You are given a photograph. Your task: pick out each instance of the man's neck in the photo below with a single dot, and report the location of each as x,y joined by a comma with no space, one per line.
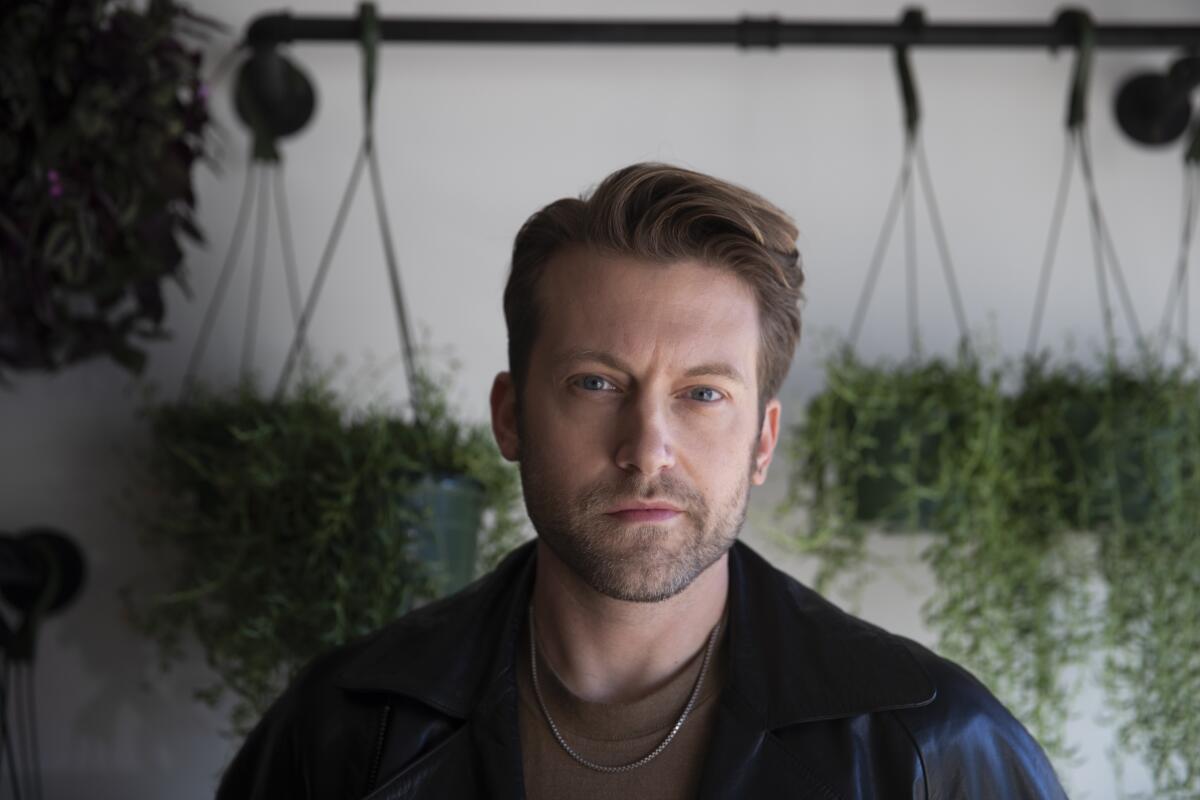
607,650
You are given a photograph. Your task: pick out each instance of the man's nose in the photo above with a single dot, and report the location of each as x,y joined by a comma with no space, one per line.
644,440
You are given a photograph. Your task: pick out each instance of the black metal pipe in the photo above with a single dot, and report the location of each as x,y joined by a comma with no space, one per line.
767,32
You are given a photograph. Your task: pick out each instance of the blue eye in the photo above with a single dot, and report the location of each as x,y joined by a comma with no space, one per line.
593,382
714,394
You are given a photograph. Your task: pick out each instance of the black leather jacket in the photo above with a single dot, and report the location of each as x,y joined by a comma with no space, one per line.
817,704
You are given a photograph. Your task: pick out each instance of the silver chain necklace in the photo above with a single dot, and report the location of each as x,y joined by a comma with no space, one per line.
712,640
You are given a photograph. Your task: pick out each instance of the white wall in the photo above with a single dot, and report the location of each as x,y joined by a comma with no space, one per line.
473,140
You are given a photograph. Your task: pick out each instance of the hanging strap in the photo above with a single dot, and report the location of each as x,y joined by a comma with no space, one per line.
1177,293
369,19
901,194
368,156
913,21
1076,26
368,22
1051,250
1191,156
218,296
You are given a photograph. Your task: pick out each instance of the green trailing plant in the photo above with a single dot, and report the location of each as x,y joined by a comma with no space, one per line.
938,441
1150,562
1091,416
1011,598
1033,494
868,450
102,116
290,526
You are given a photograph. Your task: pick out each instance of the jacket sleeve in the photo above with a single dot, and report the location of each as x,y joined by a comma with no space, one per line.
973,747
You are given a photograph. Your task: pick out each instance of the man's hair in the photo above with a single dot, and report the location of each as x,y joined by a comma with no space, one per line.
664,214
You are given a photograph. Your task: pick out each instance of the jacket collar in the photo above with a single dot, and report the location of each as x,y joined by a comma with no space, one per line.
449,653
794,656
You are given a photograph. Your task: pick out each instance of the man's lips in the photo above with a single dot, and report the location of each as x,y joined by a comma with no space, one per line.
661,514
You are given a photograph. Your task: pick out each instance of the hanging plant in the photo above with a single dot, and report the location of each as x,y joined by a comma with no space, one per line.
869,442
1082,473
1011,598
933,446
1150,562
102,116
296,525
867,451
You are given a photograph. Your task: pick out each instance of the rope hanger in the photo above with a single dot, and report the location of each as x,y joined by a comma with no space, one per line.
1071,27
1178,292
902,196
265,156
1078,144
367,153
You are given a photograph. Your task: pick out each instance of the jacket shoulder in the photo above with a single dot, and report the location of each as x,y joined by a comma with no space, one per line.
969,743
312,716
319,738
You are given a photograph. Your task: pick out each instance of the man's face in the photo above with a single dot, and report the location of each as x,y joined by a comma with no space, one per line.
641,390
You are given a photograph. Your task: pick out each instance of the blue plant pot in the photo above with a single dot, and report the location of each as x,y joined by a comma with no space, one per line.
450,510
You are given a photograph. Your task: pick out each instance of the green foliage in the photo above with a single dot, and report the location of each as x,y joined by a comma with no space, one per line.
102,114
288,527
869,450
1012,597
1149,558
1077,477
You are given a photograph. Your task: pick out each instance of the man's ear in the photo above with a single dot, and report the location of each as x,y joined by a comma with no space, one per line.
504,416
768,437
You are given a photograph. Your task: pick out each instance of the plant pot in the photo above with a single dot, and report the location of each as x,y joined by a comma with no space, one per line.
450,509
1075,451
1063,407
1142,477
879,498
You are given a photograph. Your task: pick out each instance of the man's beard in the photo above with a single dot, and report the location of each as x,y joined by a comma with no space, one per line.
646,562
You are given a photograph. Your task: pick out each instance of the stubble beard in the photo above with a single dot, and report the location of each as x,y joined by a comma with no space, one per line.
643,563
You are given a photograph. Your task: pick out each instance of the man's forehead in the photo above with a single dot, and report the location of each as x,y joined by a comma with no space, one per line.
583,280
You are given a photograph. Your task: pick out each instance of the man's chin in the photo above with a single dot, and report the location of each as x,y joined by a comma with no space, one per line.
640,587
650,571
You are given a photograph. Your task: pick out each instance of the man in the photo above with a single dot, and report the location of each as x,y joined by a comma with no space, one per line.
636,649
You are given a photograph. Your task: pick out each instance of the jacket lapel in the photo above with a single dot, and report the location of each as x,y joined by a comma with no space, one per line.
746,760
446,771
795,658
457,656
480,759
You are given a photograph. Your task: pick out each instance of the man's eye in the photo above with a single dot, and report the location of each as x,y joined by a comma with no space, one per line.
592,382
706,394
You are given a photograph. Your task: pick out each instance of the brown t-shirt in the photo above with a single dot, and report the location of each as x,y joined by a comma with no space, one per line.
617,733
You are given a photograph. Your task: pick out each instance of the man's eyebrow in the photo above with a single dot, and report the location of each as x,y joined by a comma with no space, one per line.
719,368
583,354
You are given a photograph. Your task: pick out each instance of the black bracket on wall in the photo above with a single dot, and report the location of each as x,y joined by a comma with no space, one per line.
1151,109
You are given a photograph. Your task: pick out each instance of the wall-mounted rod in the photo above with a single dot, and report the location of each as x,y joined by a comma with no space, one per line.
762,32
